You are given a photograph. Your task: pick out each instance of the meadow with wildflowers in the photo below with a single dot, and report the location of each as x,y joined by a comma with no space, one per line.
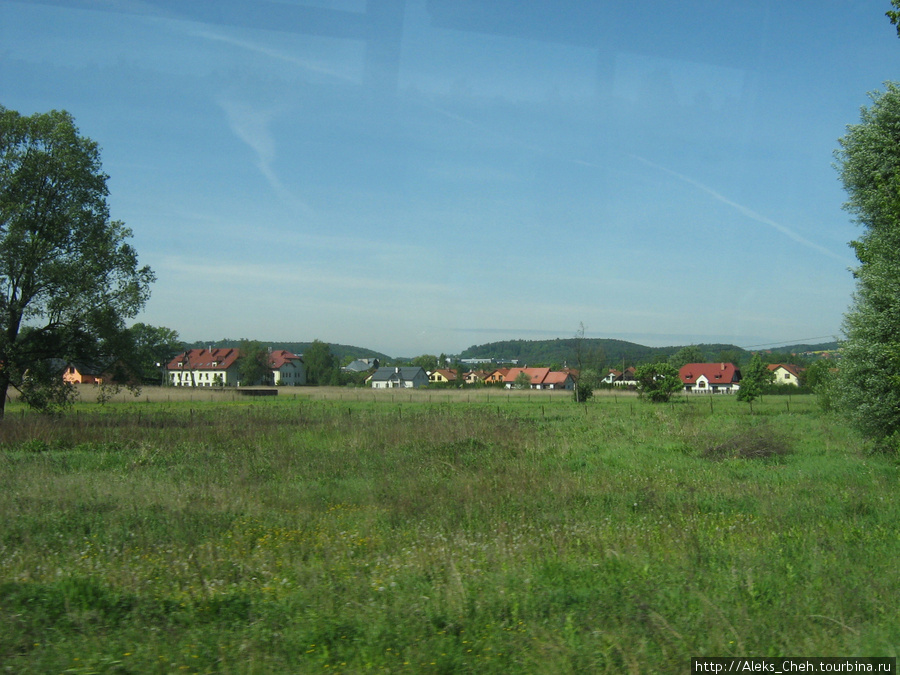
337,532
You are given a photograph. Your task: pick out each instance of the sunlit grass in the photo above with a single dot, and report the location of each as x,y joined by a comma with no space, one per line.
314,534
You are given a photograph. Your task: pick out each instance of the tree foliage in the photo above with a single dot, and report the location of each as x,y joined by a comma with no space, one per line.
754,379
894,15
868,387
254,364
427,362
321,365
686,355
522,381
657,382
151,348
68,277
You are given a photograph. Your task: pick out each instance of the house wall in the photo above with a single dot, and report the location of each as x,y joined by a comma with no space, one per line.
290,374
202,377
784,376
72,376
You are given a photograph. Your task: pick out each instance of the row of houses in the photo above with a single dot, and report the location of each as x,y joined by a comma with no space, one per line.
220,368
709,378
409,377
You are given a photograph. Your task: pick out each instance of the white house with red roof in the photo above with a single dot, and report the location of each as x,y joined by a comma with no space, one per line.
286,368
204,368
220,367
710,378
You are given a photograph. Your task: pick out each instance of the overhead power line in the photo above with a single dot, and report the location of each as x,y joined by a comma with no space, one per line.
792,342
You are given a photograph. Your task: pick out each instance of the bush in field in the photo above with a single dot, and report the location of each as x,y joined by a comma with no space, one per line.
658,381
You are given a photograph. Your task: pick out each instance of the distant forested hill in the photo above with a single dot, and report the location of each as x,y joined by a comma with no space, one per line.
599,352
596,351
340,351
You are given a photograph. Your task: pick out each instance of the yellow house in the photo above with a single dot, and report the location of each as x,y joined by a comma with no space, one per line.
442,376
785,373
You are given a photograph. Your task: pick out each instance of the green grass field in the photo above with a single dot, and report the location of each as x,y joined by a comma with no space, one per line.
439,532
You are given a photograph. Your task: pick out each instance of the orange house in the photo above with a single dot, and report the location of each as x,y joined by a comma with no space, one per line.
80,373
90,373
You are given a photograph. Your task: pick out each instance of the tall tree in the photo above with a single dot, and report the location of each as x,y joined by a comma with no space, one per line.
321,367
152,348
68,277
686,355
427,362
754,378
868,387
254,364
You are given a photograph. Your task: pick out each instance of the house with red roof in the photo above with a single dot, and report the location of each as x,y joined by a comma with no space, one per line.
496,377
710,378
204,368
220,367
286,368
560,379
541,378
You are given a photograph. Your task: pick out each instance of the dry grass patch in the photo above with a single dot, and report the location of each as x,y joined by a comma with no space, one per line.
756,442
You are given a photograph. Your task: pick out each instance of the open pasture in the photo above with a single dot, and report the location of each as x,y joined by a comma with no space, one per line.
439,531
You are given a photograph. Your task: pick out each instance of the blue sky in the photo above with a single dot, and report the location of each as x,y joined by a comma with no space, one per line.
424,175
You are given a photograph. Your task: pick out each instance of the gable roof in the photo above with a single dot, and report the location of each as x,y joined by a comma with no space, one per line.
537,375
406,373
715,373
281,357
204,359
792,369
559,377
360,365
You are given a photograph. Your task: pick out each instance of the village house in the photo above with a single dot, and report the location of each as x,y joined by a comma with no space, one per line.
541,378
496,376
94,373
82,373
400,377
204,368
442,376
476,376
286,368
710,378
220,367
619,378
786,373
360,365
